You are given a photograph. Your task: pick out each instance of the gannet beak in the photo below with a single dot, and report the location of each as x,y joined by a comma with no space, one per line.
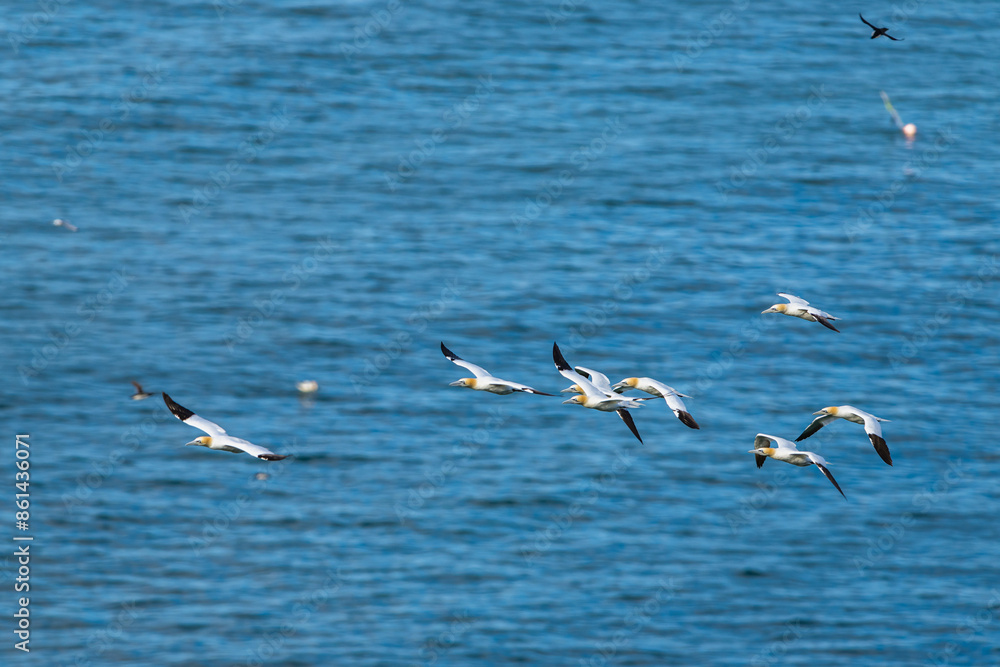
820,412
619,385
572,400
769,310
752,451
193,442
457,383
567,390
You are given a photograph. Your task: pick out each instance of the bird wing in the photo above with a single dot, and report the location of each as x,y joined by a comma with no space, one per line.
478,371
525,388
867,23
895,39
627,418
589,389
191,419
599,380
793,299
874,431
138,387
253,450
823,469
816,425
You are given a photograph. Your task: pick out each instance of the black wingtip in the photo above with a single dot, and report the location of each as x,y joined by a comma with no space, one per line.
178,410
760,458
687,419
883,449
272,457
627,418
559,359
535,391
448,354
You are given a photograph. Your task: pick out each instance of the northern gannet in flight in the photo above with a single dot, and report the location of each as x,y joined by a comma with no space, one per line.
668,393
787,451
217,437
879,32
59,222
797,307
139,393
593,397
851,414
483,380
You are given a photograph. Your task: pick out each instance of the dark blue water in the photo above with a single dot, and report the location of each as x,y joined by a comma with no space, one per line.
266,193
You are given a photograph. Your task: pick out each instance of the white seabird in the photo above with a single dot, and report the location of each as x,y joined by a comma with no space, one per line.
307,386
483,380
787,451
797,307
593,397
851,414
139,393
217,437
666,392
59,222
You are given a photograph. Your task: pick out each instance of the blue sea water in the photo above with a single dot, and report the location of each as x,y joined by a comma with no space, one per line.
272,192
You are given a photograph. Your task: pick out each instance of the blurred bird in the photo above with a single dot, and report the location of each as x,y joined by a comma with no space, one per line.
59,222
879,32
139,393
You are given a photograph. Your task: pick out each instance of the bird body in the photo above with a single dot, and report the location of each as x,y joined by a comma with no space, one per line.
483,381
800,308
787,451
217,437
851,414
139,393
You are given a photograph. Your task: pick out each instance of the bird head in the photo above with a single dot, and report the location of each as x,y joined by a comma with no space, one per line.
776,308
762,451
627,383
464,382
575,389
832,411
577,399
203,441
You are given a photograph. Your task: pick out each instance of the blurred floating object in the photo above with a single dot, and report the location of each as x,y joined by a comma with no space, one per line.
909,130
307,386
59,222
261,476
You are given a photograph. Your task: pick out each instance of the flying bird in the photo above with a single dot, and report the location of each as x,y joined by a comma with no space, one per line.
59,222
797,307
593,397
658,389
217,437
851,414
787,451
139,393
880,32
483,380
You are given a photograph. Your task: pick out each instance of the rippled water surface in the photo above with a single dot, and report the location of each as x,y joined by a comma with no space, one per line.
266,193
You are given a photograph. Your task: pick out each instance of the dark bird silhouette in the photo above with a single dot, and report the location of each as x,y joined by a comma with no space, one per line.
879,32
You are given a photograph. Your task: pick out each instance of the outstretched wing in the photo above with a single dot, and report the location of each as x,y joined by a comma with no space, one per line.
627,418
138,387
567,372
895,39
823,469
191,419
874,431
600,380
793,299
455,359
254,450
816,425
867,23
825,322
